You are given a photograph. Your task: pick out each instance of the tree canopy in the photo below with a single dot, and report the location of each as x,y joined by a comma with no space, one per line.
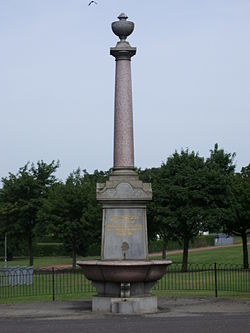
21,198
238,217
191,194
72,214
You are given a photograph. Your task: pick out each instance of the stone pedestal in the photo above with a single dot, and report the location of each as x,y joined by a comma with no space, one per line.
124,231
124,241
116,289
132,305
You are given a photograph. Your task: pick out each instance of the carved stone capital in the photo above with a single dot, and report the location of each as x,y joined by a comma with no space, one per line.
124,188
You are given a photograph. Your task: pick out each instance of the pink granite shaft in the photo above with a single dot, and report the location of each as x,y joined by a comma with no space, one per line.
123,123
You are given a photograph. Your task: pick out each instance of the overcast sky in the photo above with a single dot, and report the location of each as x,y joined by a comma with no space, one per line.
191,80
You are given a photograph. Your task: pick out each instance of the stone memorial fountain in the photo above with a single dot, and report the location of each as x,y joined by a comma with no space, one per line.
124,276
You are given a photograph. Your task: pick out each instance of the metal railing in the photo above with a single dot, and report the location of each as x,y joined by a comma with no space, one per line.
215,278
206,277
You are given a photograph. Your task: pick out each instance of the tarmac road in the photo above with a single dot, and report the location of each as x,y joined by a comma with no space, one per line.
175,315
135,324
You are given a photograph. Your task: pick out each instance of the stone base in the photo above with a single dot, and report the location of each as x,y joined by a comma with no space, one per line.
131,305
136,289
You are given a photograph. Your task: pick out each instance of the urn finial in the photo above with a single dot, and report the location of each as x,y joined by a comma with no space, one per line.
123,28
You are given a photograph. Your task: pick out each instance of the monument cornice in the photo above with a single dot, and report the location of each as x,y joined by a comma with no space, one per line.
123,53
124,189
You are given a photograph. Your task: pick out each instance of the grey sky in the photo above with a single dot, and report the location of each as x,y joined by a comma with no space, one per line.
191,80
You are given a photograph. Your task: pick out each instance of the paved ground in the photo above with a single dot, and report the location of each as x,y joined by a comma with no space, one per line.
208,324
174,315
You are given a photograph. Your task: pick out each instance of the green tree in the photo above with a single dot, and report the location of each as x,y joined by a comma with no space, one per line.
158,223
238,218
190,195
181,197
71,212
21,198
220,170
93,216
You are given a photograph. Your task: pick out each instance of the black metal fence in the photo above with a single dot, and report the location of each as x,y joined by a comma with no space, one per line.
215,278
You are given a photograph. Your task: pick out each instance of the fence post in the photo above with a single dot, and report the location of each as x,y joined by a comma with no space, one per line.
53,284
215,280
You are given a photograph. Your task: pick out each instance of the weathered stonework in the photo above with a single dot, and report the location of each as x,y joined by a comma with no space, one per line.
124,199
124,187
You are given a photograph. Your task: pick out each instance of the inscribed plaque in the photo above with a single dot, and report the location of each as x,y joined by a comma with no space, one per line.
124,226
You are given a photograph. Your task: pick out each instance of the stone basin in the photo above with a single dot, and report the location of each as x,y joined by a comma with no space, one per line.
124,271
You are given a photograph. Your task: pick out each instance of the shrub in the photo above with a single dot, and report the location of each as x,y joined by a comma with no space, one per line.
200,241
49,249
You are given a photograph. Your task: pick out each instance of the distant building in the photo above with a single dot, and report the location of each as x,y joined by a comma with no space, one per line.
223,239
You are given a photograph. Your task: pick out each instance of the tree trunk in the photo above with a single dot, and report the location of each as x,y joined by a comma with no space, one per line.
245,252
30,249
74,258
164,248
185,255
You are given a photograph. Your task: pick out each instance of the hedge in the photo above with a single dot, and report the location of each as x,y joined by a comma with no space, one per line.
200,241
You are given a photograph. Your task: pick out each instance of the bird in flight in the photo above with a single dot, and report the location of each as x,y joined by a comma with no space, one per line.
92,2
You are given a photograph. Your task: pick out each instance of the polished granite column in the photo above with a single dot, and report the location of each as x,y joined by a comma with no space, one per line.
123,122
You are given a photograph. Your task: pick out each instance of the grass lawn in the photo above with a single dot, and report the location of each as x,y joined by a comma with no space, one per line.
228,255
44,261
